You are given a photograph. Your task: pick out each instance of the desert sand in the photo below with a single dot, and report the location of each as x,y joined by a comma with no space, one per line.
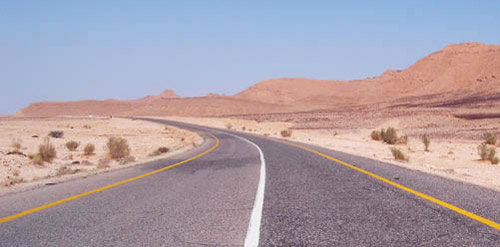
448,157
143,138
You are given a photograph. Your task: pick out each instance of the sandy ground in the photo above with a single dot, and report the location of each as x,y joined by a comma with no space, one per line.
452,158
17,170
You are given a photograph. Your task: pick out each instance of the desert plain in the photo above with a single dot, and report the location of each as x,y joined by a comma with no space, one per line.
452,96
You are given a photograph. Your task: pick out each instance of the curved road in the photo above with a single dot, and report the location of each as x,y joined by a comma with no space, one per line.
212,199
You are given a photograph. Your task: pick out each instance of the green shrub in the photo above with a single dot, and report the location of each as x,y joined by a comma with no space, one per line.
56,134
72,145
390,136
486,152
399,155
376,136
89,149
118,148
46,151
490,139
426,141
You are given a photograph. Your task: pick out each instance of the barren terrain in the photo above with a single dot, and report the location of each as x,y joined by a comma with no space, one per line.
143,138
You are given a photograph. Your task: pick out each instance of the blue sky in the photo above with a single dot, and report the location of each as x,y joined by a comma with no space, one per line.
71,50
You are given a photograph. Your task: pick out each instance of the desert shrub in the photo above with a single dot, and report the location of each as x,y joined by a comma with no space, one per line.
486,152
403,140
286,133
103,163
47,151
87,126
376,136
426,141
160,151
16,145
56,134
243,128
382,134
229,126
490,139
72,145
390,136
399,155
495,161
166,127
118,148
89,149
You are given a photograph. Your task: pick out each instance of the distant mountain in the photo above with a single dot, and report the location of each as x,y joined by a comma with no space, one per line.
461,73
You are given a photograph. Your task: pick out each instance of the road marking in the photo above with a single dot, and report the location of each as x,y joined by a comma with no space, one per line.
449,206
253,232
19,215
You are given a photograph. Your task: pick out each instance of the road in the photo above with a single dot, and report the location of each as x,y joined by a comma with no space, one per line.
213,200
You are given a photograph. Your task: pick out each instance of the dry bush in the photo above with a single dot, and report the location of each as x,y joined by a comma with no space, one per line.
390,136
118,148
243,128
64,170
403,140
399,155
495,161
87,126
47,151
229,126
103,163
376,136
490,139
16,145
72,145
166,128
89,149
486,152
160,151
426,141
56,134
286,133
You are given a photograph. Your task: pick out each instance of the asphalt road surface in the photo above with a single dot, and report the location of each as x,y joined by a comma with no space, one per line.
213,200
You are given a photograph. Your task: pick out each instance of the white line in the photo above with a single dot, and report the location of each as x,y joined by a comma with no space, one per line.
253,232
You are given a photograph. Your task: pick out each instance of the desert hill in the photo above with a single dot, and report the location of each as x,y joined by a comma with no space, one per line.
459,73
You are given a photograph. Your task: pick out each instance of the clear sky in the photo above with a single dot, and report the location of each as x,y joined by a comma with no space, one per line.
94,49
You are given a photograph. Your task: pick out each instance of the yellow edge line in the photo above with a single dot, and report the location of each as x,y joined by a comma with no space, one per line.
30,211
449,206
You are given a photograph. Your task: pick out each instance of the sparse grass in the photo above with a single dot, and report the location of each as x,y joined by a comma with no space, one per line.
56,134
89,149
72,145
403,140
47,151
486,152
160,151
118,148
286,133
229,126
376,136
399,155
490,139
427,141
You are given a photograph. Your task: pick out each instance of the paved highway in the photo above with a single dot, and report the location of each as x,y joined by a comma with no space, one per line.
238,189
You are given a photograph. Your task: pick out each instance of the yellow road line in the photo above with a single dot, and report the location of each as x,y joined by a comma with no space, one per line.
30,211
449,206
